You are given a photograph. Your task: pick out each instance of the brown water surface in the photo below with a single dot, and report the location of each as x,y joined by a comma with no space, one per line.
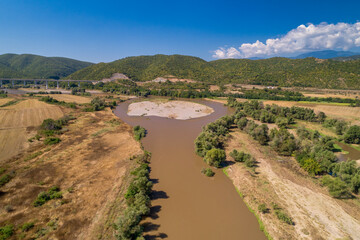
353,154
185,203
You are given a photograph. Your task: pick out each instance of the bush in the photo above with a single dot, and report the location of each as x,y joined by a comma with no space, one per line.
207,172
139,132
215,157
50,124
27,226
239,156
336,187
98,104
43,197
282,216
6,232
5,179
52,140
262,208
352,135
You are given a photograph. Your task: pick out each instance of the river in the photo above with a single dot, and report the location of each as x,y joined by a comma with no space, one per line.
185,203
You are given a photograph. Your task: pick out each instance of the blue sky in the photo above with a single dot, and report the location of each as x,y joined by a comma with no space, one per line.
103,31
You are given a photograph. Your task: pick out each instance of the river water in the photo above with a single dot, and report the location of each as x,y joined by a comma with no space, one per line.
185,203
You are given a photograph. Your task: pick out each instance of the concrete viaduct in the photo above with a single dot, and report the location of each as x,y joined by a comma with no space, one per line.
35,81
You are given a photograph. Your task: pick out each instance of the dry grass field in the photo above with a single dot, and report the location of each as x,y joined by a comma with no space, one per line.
351,114
5,100
71,98
90,166
17,123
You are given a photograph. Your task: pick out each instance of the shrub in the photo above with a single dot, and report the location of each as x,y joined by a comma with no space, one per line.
139,132
52,140
239,156
50,124
282,216
215,157
336,187
6,232
43,197
262,208
27,226
207,172
5,179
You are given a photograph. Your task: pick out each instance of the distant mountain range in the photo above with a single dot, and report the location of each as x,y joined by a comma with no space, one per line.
308,72
34,66
327,54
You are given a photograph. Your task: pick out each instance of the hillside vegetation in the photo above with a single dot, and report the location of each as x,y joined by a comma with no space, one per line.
33,66
309,72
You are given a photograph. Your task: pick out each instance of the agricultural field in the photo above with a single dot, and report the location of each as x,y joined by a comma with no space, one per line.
89,168
71,98
18,121
351,114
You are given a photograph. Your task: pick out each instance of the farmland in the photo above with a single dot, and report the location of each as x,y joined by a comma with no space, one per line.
18,121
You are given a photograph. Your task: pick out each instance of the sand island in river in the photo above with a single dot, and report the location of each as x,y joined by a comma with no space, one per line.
181,110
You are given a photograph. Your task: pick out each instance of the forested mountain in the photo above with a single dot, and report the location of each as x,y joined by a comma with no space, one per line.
326,54
354,57
309,72
34,66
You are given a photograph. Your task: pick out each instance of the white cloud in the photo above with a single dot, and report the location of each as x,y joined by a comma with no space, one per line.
301,39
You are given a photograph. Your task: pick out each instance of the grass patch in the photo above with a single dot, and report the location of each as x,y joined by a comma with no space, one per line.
261,224
52,140
101,131
337,148
33,155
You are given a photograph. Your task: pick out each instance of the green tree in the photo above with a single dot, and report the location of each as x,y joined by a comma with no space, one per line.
215,157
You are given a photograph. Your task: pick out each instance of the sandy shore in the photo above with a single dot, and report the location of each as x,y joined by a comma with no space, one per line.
181,110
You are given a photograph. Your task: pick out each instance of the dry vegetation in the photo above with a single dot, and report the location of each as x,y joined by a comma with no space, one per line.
280,180
17,123
90,165
71,98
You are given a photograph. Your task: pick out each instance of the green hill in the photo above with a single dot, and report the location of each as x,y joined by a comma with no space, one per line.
34,66
309,72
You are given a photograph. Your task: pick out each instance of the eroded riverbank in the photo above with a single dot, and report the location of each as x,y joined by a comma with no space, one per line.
186,204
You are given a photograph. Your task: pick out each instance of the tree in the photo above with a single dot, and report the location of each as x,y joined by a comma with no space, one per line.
336,187
352,135
215,157
321,117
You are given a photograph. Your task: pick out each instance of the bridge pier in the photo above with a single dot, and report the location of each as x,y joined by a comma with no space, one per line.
24,83
47,84
35,83
12,82
78,84
1,83
57,84
68,83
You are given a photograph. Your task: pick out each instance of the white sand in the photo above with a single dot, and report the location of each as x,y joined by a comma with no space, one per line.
173,109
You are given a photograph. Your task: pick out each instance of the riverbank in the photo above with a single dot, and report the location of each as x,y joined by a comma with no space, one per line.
181,110
280,180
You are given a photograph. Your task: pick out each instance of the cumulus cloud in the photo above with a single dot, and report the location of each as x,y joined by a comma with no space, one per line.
301,39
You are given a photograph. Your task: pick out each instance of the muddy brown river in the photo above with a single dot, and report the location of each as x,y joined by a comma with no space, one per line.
185,203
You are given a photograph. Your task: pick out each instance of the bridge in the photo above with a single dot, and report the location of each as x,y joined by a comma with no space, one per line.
35,81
